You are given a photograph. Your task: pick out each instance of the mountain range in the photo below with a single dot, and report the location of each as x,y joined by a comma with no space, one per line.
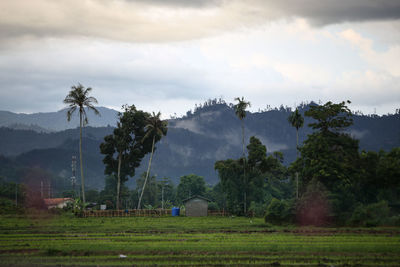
194,142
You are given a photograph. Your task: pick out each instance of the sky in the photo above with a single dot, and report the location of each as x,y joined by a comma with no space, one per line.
168,55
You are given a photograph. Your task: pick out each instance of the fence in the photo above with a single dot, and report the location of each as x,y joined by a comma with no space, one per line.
126,213
140,213
218,213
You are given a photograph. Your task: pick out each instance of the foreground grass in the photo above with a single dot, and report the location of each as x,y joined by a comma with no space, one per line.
66,240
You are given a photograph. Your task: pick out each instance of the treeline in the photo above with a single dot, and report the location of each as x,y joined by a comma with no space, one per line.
337,184
331,182
158,193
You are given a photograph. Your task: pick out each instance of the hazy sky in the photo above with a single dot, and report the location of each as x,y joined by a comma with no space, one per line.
167,55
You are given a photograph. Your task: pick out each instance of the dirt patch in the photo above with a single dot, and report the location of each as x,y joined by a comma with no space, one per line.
19,251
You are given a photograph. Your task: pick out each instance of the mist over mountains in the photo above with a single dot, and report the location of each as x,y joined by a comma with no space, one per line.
55,121
194,142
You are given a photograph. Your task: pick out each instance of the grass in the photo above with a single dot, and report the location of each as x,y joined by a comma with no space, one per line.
66,240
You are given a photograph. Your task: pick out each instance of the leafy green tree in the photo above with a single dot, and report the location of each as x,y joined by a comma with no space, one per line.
388,172
151,193
329,155
92,195
108,194
167,192
230,173
297,121
190,185
278,212
78,98
155,129
126,147
240,111
264,178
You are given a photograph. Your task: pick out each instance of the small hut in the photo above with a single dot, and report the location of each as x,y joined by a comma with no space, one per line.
196,206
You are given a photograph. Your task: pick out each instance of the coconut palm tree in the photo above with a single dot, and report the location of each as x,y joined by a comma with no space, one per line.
240,111
297,121
155,128
78,98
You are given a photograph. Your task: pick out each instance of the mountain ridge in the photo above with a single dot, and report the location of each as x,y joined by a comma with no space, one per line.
193,143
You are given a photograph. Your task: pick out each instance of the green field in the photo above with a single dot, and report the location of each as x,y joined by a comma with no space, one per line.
66,240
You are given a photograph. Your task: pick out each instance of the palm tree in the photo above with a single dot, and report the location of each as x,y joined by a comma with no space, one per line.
78,98
297,121
240,111
156,128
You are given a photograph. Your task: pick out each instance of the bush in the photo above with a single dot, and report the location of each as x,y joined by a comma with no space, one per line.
257,209
213,206
7,206
393,221
278,212
371,215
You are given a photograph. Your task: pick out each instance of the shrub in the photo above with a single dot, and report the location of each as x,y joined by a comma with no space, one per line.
371,215
213,206
257,209
278,212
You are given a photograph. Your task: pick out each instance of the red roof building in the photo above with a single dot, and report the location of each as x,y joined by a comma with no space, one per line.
57,202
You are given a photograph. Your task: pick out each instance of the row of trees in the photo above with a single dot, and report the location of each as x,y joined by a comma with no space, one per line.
330,180
159,193
135,136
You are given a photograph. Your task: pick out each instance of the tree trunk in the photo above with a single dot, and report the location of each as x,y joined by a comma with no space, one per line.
148,171
244,172
243,137
80,155
297,156
119,179
297,143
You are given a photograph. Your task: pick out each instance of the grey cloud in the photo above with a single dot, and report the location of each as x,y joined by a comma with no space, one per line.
166,20
181,3
333,11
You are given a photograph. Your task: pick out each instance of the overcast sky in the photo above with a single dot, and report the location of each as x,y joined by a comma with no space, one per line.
168,55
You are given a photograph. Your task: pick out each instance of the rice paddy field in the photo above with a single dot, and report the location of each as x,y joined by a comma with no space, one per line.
65,240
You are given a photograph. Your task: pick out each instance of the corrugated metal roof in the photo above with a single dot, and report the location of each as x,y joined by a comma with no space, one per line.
200,197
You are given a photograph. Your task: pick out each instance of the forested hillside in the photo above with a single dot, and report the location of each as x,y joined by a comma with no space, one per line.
193,144
54,121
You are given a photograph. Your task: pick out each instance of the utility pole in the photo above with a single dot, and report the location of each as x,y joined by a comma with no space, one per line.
164,182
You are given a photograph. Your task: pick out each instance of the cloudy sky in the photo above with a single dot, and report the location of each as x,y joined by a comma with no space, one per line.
168,55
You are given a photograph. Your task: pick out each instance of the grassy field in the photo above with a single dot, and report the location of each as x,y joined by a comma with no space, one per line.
66,240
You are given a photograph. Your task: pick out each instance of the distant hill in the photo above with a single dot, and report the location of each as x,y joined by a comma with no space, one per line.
55,121
193,143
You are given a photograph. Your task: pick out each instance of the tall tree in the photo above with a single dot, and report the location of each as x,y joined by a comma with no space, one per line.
78,98
124,149
297,121
329,154
155,128
240,111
